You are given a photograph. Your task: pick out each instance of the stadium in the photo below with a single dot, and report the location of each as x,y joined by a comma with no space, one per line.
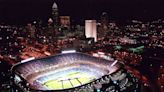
73,72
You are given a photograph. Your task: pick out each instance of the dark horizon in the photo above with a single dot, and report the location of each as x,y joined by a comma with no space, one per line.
23,11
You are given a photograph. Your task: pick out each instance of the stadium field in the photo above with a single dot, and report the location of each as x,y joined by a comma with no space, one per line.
69,80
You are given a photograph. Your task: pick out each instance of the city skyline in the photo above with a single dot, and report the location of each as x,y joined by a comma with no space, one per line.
81,45
23,11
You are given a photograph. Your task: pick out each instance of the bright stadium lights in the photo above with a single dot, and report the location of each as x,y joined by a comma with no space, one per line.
101,53
29,59
114,63
68,51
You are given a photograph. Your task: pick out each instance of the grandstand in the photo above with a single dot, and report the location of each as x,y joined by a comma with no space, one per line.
66,71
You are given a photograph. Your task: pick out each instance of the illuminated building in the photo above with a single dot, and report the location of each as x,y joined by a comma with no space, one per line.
55,14
65,21
104,20
50,21
73,71
91,29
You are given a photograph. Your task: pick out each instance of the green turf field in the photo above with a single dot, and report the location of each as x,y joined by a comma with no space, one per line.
69,80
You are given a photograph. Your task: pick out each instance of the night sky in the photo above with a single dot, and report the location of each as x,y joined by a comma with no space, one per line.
22,11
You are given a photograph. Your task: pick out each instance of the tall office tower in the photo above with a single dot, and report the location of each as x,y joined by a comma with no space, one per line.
50,21
65,21
91,29
55,15
104,20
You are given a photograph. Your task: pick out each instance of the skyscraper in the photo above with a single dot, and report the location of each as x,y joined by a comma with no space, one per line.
91,29
65,21
55,15
104,20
